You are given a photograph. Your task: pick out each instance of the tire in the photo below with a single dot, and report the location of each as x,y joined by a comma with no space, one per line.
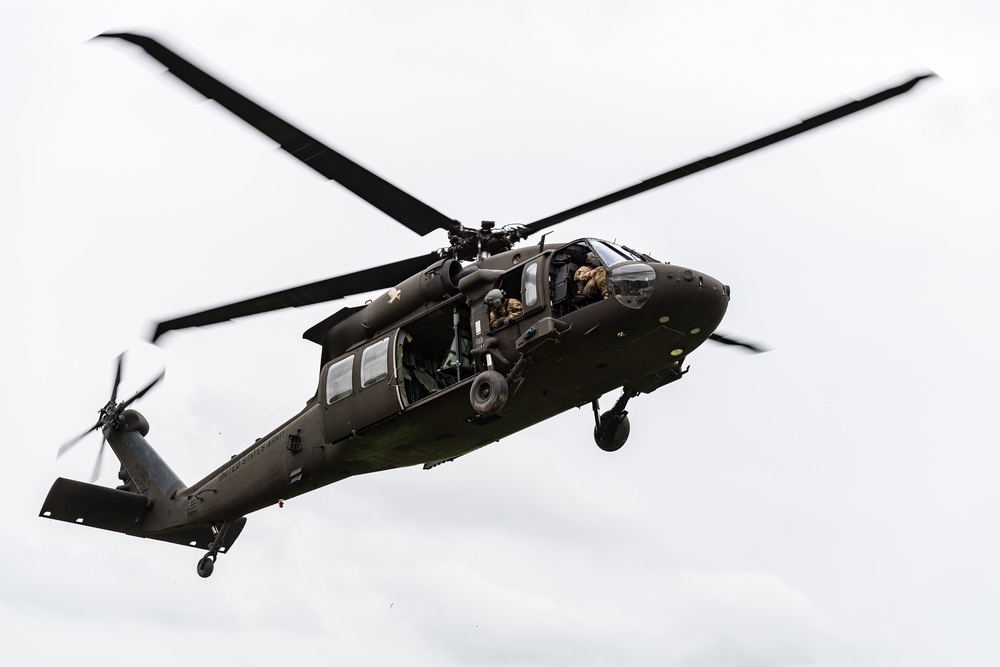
205,567
488,394
611,435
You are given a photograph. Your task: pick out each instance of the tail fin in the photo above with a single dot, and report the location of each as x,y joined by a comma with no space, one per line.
143,470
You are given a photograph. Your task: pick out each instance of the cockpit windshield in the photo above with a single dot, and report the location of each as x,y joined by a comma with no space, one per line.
612,254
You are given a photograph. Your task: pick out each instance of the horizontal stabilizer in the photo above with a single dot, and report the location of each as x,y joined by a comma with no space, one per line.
96,506
123,512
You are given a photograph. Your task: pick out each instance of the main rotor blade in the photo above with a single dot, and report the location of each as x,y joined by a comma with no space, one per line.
726,340
712,160
386,197
379,277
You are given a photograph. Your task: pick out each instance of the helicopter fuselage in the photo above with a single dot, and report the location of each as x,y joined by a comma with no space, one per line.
400,396
398,385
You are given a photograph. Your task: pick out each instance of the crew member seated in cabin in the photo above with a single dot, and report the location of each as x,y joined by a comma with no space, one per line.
591,279
502,310
417,371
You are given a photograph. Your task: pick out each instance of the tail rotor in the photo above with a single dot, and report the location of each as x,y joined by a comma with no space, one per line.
109,415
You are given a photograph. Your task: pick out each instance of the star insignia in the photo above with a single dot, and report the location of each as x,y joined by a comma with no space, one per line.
394,294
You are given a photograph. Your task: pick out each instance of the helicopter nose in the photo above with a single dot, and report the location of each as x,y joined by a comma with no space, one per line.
684,304
692,304
666,286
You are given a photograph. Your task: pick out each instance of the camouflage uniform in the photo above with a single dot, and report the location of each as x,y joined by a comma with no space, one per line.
589,280
507,312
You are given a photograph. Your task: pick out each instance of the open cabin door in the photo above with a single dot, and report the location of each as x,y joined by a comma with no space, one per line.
432,352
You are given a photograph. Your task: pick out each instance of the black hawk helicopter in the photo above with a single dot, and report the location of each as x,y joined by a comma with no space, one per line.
470,344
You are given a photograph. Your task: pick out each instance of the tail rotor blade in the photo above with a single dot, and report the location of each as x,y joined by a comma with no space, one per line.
118,377
142,392
97,465
69,445
110,414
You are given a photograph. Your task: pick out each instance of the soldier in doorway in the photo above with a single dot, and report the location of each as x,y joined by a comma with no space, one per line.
502,309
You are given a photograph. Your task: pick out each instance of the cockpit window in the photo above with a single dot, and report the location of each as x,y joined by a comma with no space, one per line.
531,285
612,254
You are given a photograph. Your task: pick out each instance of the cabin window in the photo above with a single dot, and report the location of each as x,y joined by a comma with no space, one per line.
531,285
339,380
375,363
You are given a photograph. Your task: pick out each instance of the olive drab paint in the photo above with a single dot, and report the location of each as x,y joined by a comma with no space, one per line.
418,376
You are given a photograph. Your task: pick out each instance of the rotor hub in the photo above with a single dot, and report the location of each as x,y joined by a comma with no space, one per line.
476,244
109,414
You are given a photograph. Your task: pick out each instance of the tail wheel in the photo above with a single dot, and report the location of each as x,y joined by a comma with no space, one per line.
489,392
206,566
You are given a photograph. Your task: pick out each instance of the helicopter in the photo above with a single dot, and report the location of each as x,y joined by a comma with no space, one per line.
467,345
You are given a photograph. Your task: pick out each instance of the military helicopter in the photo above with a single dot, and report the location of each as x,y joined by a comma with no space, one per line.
469,344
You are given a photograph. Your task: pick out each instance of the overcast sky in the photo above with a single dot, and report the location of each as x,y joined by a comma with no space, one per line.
831,502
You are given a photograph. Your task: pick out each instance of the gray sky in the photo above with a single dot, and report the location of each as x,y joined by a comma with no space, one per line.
831,502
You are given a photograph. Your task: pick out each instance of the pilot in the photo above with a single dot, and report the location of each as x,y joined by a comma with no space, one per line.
591,278
502,309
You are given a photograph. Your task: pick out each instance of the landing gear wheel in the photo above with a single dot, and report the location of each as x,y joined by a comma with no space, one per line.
613,431
206,566
488,394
